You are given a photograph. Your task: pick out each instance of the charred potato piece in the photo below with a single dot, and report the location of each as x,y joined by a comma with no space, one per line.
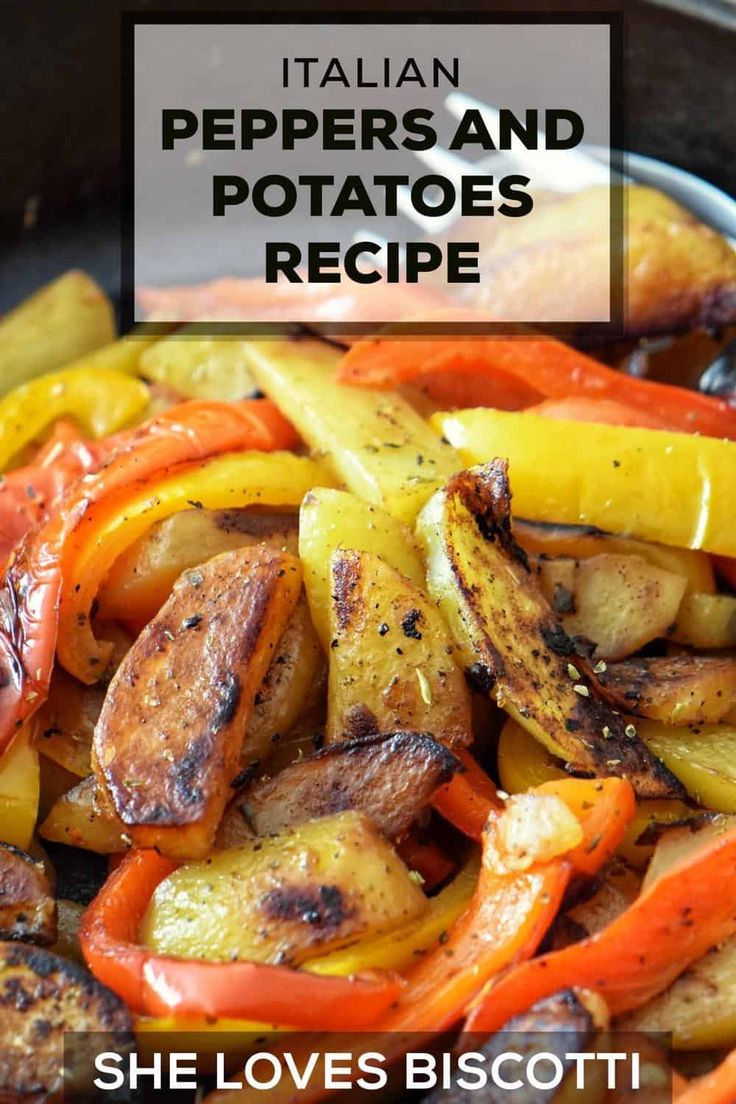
511,642
141,579
389,778
678,690
284,899
27,907
562,1024
293,685
618,602
42,998
168,741
392,662
83,817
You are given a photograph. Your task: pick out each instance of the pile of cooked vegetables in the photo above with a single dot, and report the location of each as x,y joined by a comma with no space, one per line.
396,684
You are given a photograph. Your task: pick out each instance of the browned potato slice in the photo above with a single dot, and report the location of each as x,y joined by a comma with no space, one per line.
389,778
619,888
168,741
283,899
580,542
618,602
141,579
678,690
510,640
392,659
27,908
83,817
43,998
293,685
64,726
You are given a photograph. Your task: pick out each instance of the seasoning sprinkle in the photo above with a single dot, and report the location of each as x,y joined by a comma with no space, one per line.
581,689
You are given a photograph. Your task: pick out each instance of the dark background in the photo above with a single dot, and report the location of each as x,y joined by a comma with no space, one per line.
60,124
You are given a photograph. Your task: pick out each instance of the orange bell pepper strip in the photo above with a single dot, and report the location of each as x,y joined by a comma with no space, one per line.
30,589
685,912
579,408
717,1087
161,985
556,370
469,798
458,390
605,807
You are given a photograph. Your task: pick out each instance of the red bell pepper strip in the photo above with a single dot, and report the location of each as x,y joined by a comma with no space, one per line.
29,494
30,590
469,798
159,985
717,1087
556,370
580,408
685,912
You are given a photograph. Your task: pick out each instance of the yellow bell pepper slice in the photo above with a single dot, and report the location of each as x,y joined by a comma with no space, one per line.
99,399
225,482
398,949
19,790
675,488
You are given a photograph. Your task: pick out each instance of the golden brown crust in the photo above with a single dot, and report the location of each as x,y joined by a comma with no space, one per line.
168,740
678,690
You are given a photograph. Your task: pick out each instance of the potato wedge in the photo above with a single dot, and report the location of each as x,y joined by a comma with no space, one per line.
44,998
27,907
64,725
283,899
62,321
390,778
392,659
293,685
677,690
201,367
168,741
706,621
511,642
20,790
374,442
703,757
330,519
619,602
84,817
699,1008
580,542
140,580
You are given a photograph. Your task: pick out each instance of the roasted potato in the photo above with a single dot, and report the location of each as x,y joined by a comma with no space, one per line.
44,998
618,602
65,723
618,888
200,367
699,1008
677,690
702,756
511,642
293,685
27,907
141,579
330,519
392,659
84,817
286,898
374,442
706,621
169,738
64,320
580,542
389,778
